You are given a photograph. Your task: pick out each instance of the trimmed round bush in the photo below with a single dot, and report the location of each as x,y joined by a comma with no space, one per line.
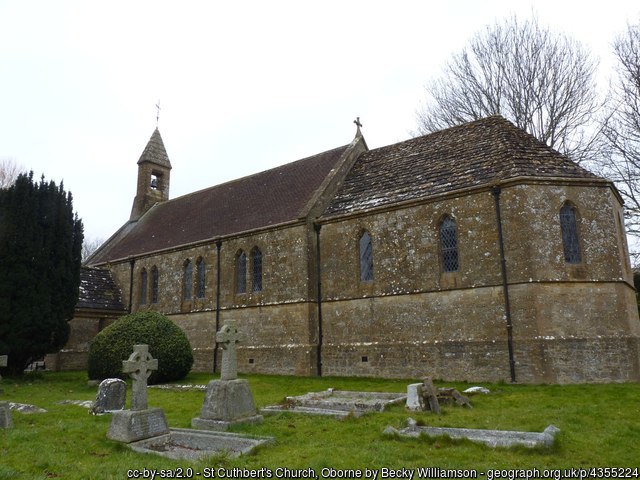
166,342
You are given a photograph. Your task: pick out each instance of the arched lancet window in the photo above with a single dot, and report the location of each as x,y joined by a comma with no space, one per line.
200,274
256,267
449,244
241,272
366,258
154,284
569,227
143,287
187,280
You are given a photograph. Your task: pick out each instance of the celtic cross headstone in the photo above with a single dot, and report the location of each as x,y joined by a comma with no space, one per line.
139,366
228,401
140,422
228,337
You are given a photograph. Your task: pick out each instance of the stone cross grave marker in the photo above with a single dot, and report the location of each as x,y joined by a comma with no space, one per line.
139,366
228,337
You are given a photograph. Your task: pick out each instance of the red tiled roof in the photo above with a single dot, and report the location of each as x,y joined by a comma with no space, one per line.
265,199
482,152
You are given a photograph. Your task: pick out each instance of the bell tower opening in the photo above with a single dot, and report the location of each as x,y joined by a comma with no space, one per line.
154,170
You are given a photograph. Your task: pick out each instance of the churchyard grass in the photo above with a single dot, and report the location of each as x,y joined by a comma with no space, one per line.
600,427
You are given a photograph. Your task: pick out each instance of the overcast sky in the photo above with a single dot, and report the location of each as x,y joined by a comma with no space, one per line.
243,86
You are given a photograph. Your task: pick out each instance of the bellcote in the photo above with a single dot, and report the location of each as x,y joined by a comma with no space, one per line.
154,170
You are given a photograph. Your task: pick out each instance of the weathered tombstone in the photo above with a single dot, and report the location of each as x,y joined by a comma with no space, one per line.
228,401
415,399
140,422
112,394
4,359
430,395
6,421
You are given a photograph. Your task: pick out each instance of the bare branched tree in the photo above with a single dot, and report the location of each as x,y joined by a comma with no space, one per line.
9,171
621,126
541,81
89,246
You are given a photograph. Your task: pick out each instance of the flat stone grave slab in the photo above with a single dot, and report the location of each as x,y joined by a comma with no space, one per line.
184,443
491,438
25,408
81,403
338,403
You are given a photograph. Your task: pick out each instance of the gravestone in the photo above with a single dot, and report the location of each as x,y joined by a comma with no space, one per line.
491,438
415,399
4,359
141,421
228,401
112,394
6,421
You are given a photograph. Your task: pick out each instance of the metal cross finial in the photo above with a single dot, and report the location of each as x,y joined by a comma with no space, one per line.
357,122
157,113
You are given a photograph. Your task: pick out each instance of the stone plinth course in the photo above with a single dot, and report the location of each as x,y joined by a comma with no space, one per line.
140,422
227,401
491,438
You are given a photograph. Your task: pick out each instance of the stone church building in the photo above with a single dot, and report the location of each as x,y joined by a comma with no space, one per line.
473,253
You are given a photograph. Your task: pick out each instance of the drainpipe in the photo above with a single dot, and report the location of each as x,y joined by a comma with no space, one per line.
317,228
505,286
132,262
215,349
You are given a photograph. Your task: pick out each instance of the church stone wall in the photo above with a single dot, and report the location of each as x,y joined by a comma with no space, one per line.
571,323
413,320
84,326
278,322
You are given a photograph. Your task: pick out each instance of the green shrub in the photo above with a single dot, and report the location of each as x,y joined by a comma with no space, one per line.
166,342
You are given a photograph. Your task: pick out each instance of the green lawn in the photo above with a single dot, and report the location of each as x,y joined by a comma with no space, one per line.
600,427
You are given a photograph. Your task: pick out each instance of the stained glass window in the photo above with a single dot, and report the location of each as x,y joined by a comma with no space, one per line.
187,280
449,244
200,273
366,258
570,241
256,279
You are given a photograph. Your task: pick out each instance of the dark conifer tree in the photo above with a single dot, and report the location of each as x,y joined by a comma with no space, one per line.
40,251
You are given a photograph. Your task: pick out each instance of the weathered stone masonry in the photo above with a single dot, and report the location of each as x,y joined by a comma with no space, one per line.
571,322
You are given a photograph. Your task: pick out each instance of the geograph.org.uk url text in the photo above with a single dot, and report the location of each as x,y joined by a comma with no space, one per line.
386,473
